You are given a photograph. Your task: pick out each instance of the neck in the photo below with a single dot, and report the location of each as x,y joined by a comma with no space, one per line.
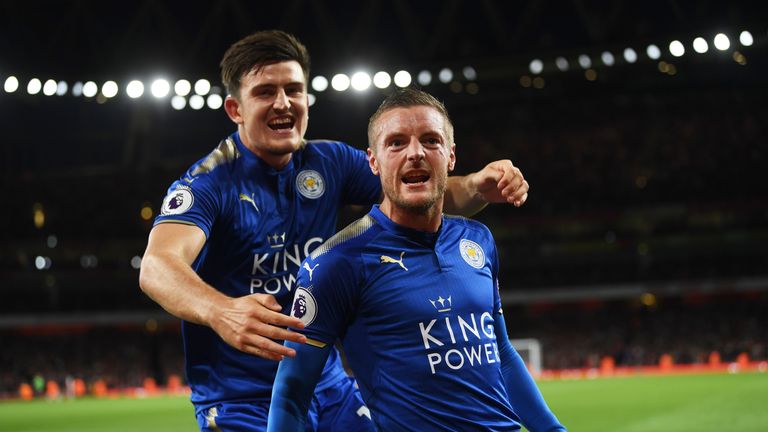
427,220
276,161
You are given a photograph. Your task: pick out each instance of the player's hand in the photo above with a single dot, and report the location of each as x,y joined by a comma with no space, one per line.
252,324
500,181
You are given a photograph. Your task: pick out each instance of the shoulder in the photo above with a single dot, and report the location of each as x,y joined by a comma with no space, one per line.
347,243
472,226
330,148
224,155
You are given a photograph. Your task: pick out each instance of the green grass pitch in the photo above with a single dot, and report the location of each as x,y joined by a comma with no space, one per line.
698,403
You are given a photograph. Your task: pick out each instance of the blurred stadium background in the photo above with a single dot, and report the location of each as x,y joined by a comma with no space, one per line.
643,247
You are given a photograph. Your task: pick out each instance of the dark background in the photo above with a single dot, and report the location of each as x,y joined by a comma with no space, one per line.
645,232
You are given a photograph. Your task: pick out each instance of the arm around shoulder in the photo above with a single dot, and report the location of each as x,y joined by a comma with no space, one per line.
249,323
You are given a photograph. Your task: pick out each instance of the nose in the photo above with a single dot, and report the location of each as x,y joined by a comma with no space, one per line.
282,102
415,150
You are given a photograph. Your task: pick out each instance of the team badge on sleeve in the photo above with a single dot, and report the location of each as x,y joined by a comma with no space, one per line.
472,253
178,201
310,184
304,306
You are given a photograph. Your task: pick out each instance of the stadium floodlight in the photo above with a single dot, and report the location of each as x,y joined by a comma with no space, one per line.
178,102
214,101
469,73
202,87
77,89
340,82
311,99
136,261
402,78
89,261
562,64
49,88
445,75
319,83
653,52
361,81
746,38
700,45
536,66
424,77
196,102
630,55
382,79
90,89
40,262
676,48
160,88
134,89
585,62
721,42
607,58
61,88
52,241
182,87
33,86
11,84
109,89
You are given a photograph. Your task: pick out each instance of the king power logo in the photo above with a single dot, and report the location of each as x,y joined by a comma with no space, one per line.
276,270
453,342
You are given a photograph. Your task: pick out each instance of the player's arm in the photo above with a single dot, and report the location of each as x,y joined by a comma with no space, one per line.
294,385
247,323
524,396
498,182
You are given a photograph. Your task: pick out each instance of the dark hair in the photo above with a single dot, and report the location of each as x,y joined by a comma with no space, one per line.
257,50
408,97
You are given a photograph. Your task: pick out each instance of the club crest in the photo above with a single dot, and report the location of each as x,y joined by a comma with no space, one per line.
472,253
310,184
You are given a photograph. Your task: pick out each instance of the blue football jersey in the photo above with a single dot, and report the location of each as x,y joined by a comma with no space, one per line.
415,313
259,223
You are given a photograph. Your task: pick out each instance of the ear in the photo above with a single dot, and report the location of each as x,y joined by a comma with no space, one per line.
232,107
373,163
452,158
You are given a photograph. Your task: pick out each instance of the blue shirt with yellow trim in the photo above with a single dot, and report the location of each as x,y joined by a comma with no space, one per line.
259,223
415,313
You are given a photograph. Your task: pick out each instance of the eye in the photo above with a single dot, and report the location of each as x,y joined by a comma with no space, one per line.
431,141
294,90
264,92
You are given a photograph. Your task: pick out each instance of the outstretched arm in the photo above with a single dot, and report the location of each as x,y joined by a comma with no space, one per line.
525,397
497,182
294,385
250,323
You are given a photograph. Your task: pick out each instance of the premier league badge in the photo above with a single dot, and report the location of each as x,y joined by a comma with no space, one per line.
177,202
304,306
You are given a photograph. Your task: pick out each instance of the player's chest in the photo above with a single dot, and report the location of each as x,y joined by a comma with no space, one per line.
409,287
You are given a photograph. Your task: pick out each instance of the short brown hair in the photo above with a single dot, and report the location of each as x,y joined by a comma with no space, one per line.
257,50
409,97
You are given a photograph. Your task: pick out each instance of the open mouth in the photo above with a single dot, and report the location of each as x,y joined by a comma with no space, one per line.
281,123
416,177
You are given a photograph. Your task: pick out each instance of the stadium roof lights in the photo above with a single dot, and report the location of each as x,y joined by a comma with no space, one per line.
676,48
183,93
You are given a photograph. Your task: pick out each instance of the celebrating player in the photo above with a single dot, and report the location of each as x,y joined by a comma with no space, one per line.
413,296
233,230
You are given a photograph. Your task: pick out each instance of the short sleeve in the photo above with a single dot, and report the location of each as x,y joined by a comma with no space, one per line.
194,203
